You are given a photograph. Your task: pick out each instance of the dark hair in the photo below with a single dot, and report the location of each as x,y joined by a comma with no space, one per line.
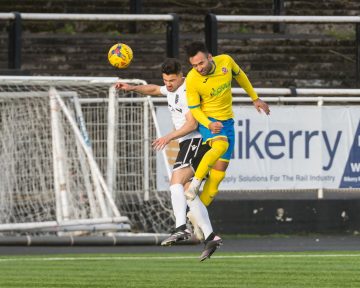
171,66
193,48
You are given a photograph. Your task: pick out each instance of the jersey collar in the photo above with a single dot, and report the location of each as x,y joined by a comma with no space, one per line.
212,71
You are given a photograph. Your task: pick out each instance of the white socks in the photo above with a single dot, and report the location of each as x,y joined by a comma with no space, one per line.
197,208
178,202
193,189
201,215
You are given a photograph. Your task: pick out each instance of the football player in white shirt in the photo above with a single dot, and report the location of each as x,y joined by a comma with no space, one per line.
190,153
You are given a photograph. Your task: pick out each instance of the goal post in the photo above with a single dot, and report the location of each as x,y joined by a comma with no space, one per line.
132,125
76,155
55,97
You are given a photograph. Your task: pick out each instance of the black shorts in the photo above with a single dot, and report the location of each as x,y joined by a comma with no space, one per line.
190,154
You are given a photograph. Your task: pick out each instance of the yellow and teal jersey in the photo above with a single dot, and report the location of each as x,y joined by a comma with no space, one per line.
212,93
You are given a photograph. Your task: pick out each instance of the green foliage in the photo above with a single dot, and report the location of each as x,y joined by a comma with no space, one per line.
341,34
68,28
243,29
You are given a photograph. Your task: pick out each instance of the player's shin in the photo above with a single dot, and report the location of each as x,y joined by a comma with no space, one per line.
178,202
200,217
211,186
218,148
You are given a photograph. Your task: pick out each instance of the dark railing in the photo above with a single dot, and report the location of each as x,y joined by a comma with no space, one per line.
211,31
16,18
135,8
15,42
278,9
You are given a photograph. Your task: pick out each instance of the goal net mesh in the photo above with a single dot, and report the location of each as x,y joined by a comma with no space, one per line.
27,163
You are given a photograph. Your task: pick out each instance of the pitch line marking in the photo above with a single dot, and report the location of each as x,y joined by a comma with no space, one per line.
176,257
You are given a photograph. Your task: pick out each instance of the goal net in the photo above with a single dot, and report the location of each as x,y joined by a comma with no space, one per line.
75,155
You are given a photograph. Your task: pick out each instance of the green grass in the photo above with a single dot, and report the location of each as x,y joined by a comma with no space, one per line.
305,269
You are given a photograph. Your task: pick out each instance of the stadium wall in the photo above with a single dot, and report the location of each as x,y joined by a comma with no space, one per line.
305,55
238,216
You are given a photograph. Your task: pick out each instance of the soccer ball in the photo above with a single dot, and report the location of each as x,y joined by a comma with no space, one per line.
120,55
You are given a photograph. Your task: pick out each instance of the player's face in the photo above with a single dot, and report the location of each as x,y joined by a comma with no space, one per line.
172,81
202,63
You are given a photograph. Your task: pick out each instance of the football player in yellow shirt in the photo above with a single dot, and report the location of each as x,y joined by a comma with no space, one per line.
208,93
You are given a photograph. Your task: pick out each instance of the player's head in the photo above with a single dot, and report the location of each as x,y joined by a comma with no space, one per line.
199,57
172,74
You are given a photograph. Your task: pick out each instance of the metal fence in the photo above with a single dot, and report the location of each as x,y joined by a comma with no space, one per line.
16,19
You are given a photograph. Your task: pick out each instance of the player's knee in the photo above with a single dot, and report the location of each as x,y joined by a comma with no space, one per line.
189,197
220,146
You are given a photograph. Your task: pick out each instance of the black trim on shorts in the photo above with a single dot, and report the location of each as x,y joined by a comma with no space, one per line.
190,153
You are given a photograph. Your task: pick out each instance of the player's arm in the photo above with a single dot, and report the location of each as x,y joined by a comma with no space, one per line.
199,115
244,82
149,89
193,100
189,126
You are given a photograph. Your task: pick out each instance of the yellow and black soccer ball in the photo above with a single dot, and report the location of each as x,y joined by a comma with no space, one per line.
120,55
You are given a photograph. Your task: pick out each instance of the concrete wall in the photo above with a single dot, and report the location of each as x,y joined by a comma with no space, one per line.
239,216
314,57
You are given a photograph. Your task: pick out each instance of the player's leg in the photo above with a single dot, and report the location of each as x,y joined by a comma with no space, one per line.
182,172
199,235
218,147
211,186
201,217
221,144
217,172
213,241
179,205
178,200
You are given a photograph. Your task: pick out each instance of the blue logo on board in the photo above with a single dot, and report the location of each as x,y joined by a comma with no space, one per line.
351,176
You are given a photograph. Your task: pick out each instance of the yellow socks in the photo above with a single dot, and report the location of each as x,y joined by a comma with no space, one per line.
211,187
218,148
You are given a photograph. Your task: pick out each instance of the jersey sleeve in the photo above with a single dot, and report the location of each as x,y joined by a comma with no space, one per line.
192,96
193,101
163,90
241,78
235,69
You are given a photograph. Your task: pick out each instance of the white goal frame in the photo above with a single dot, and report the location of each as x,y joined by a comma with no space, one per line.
107,216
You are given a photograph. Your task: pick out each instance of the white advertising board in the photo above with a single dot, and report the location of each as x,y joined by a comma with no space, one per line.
296,147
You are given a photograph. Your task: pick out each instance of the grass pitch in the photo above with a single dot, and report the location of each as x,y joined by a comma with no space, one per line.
305,269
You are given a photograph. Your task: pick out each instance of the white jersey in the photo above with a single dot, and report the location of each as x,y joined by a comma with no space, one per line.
178,107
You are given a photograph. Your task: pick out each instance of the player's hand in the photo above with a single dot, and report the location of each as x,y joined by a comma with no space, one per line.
160,143
261,105
215,127
123,86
